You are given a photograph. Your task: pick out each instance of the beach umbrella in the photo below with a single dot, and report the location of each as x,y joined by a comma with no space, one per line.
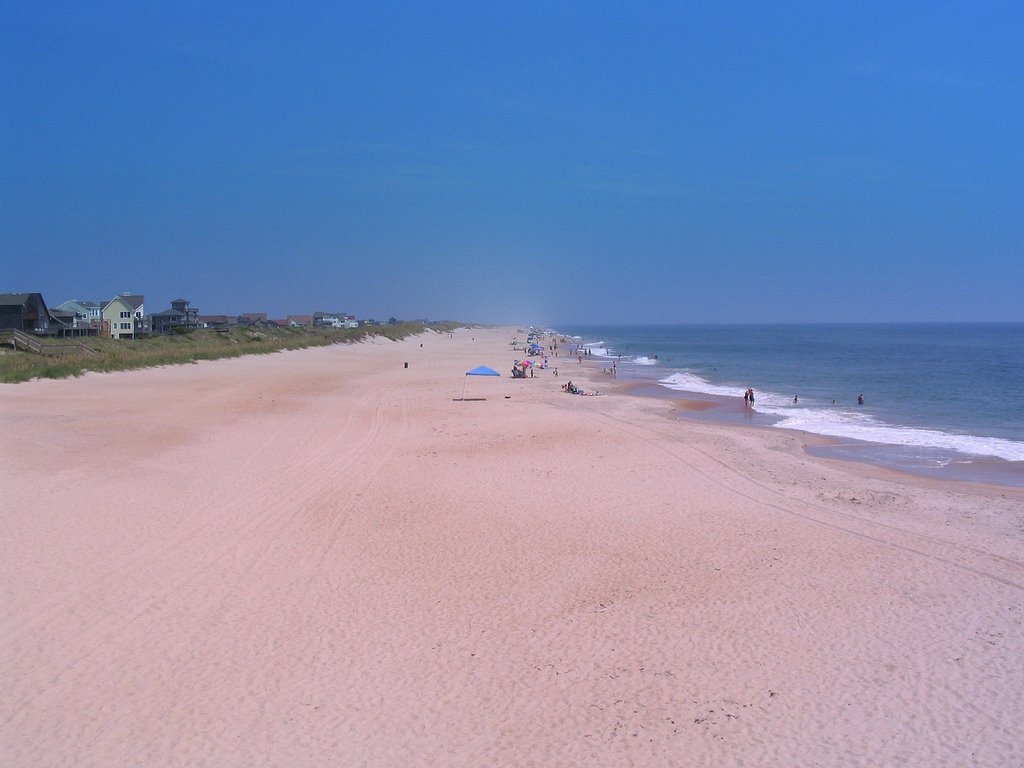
480,370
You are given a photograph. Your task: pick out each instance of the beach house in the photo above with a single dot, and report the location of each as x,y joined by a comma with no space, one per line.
126,314
217,321
87,316
25,312
85,310
334,320
180,315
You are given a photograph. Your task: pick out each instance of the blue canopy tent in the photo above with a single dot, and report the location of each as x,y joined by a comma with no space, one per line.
480,370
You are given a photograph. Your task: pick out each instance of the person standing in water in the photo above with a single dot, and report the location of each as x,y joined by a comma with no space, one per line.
860,399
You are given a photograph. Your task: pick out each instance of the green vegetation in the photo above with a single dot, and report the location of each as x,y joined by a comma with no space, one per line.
186,347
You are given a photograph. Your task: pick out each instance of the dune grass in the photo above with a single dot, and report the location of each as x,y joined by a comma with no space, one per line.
188,347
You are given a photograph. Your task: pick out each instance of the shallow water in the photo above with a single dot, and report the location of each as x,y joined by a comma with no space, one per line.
938,398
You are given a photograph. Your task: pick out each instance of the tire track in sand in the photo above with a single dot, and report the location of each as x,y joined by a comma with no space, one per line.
762,495
207,547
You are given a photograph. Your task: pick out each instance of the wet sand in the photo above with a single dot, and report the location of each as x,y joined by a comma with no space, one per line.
904,459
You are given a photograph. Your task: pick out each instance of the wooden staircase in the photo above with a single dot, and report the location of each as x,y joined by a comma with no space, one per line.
28,343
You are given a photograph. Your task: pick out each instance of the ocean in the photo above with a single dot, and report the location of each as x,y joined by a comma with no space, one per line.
945,400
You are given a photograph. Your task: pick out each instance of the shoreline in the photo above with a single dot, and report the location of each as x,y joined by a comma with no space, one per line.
326,557
726,411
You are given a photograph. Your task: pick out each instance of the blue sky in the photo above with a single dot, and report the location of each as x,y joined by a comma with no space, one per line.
546,162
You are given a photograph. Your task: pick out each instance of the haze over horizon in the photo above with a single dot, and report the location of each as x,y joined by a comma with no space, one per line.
551,163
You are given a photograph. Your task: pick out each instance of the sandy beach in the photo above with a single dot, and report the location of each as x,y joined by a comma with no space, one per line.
323,557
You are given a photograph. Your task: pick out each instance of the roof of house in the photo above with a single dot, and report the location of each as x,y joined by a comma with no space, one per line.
82,306
15,299
133,302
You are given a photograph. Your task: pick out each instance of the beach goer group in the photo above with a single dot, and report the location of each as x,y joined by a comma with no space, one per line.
748,398
572,389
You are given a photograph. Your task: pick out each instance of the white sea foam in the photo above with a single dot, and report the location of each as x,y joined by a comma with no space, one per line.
601,349
683,381
858,426
854,425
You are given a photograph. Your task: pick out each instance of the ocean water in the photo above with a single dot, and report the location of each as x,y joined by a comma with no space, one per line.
944,399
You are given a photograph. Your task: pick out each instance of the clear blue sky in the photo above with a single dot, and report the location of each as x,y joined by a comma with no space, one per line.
547,162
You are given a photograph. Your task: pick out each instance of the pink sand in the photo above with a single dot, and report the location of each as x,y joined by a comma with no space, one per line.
320,558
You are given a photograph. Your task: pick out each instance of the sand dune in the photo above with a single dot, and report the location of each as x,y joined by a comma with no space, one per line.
323,558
